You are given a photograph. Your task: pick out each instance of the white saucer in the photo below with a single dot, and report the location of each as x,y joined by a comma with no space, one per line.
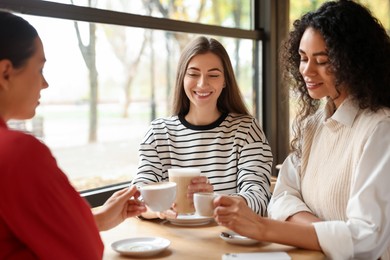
190,220
141,246
234,238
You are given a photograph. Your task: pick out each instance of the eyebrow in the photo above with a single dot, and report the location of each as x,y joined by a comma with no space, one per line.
320,53
210,70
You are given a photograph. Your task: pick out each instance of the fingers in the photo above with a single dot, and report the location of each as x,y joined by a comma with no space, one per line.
199,184
126,193
135,208
223,200
199,179
170,214
167,214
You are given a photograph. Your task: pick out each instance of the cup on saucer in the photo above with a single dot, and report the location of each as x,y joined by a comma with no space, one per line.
182,177
203,202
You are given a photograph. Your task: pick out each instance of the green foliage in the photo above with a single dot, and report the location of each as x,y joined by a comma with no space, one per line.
379,8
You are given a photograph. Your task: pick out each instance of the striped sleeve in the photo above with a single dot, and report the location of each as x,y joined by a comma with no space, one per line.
254,169
149,166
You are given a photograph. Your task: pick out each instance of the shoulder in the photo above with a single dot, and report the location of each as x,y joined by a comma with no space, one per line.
381,114
161,127
25,157
246,124
241,119
165,122
370,120
14,143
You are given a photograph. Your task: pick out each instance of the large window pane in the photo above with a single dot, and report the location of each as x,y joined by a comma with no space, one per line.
134,78
228,13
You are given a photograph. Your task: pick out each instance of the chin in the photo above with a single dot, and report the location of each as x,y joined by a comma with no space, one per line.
314,96
27,116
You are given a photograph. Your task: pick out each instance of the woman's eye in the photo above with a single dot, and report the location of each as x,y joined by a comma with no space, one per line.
322,62
192,74
214,76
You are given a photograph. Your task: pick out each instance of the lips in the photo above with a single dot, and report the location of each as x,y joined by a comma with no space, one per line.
202,94
312,85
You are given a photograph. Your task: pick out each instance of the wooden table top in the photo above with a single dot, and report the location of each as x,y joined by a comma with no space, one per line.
190,242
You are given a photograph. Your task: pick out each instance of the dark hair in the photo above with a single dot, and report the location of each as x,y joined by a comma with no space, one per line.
230,99
359,55
17,38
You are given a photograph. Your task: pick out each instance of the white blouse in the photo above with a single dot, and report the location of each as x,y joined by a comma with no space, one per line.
343,177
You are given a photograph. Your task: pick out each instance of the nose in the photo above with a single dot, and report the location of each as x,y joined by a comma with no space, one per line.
308,68
202,81
44,83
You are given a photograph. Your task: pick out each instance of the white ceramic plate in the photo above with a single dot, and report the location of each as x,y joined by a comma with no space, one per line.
141,246
234,238
190,220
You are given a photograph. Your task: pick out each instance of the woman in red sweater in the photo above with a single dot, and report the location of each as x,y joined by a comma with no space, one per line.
41,215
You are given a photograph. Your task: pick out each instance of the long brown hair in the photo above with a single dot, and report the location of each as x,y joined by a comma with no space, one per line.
230,100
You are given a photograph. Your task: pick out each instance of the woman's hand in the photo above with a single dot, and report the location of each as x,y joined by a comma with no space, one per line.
199,184
233,213
119,207
170,213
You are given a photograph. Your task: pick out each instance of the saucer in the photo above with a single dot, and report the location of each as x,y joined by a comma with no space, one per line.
141,246
190,220
234,238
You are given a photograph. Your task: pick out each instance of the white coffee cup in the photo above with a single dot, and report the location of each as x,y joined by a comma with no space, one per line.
203,202
159,196
182,177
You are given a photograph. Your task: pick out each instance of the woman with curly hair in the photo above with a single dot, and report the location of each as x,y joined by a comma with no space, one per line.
332,191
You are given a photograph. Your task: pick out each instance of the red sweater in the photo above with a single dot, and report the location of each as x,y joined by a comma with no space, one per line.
41,215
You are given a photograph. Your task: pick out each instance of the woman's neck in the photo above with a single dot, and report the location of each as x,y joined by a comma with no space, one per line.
339,99
198,117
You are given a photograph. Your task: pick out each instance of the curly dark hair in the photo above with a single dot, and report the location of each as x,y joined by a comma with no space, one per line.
359,55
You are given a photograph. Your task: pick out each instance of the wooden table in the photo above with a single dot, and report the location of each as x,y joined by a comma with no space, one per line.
190,242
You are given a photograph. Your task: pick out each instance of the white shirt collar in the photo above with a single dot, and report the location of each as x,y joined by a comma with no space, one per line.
345,114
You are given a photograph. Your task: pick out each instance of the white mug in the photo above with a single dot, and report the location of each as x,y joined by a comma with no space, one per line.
203,202
159,196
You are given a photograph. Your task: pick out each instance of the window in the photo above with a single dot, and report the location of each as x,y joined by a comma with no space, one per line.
103,95
226,13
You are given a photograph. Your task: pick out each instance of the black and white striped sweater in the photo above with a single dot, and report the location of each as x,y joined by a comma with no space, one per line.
232,152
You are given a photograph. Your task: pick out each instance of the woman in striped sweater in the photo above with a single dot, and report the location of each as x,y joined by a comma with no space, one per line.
332,192
210,129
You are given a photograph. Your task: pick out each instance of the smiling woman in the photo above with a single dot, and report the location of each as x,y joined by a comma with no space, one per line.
203,84
316,70
210,129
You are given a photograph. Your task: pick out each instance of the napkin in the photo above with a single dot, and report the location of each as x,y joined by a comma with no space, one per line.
257,256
